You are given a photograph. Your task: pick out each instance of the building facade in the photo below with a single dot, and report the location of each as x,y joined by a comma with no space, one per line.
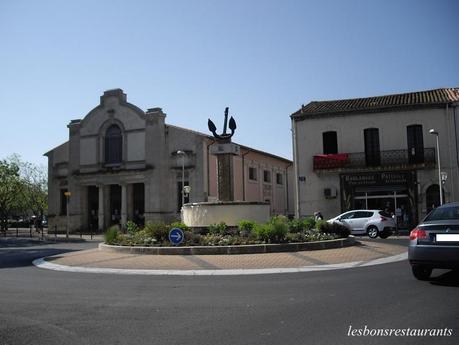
121,163
377,153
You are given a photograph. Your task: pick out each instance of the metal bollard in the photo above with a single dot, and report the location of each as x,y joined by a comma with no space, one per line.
55,232
30,230
17,230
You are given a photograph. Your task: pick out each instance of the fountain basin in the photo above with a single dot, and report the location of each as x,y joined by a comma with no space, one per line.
203,214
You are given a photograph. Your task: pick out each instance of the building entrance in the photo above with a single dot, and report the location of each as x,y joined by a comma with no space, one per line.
393,192
115,204
93,207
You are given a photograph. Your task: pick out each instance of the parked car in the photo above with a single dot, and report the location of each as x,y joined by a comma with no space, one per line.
374,223
434,243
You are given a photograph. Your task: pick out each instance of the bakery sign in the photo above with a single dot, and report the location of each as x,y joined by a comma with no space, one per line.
377,179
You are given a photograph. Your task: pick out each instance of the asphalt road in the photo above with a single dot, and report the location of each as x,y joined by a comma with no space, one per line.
47,307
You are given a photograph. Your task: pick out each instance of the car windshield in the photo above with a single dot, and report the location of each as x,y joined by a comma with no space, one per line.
443,213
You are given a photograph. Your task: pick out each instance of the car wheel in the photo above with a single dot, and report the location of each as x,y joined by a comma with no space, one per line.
421,272
372,231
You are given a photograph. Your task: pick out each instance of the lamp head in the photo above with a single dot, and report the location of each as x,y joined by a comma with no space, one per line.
433,132
180,152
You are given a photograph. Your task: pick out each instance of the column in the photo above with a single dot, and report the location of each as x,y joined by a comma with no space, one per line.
123,205
101,215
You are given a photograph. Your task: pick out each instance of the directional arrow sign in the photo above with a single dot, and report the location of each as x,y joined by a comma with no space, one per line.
176,236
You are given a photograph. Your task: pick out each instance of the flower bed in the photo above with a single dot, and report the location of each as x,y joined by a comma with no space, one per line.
278,230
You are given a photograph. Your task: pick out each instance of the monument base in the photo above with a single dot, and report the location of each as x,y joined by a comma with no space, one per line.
203,214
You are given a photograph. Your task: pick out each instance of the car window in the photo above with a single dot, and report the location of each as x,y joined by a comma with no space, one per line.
385,214
443,213
348,215
363,214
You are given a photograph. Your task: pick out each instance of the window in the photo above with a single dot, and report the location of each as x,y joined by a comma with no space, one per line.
63,199
348,215
266,176
279,178
363,214
113,145
372,151
252,174
330,142
415,143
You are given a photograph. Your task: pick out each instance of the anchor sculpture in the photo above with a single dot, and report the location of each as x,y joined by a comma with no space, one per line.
224,149
224,136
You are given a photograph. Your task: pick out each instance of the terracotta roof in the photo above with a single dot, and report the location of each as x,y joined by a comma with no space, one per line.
380,103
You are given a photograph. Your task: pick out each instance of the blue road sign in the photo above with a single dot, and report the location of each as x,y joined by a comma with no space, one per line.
176,236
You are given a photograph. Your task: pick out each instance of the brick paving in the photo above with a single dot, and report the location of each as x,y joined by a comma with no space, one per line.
366,251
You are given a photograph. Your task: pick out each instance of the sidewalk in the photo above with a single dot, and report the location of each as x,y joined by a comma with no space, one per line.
367,251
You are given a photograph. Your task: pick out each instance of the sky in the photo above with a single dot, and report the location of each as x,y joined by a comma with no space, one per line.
262,59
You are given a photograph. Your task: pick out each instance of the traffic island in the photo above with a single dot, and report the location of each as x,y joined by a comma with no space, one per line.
228,250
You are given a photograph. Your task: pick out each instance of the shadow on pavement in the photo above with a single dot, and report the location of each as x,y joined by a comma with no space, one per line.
450,278
20,252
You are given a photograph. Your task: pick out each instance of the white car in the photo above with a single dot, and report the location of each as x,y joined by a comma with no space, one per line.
374,223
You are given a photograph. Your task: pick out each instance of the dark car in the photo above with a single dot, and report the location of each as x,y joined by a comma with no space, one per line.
434,243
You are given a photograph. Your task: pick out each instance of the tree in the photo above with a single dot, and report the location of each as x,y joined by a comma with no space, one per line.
23,189
11,189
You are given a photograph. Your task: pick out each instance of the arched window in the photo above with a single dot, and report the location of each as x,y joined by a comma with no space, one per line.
113,145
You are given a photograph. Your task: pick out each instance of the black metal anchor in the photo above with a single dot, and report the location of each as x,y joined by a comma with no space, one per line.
224,135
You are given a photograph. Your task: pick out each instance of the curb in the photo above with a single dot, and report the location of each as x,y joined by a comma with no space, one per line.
229,250
42,263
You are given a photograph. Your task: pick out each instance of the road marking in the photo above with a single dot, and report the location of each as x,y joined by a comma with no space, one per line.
42,263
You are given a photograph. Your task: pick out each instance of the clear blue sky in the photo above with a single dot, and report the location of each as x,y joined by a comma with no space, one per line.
263,59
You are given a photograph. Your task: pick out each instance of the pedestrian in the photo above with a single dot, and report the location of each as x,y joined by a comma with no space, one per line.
318,216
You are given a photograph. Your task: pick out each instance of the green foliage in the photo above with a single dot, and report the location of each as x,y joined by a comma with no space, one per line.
295,225
158,231
23,189
334,228
112,234
309,223
246,227
131,227
218,229
179,225
274,231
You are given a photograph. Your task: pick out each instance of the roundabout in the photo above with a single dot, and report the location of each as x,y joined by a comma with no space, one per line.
115,261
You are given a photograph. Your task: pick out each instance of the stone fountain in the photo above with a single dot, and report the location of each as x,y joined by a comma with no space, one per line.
225,209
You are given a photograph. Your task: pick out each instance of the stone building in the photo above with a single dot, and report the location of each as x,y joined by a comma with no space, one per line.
121,163
376,153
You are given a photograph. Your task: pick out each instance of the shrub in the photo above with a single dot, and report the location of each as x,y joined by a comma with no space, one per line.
218,229
309,223
334,228
246,227
295,225
275,231
111,234
179,225
131,227
159,231
278,219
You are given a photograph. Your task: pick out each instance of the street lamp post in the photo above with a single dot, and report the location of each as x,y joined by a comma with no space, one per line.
182,153
434,132
67,196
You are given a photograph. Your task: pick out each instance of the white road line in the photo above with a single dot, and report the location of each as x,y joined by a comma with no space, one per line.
42,263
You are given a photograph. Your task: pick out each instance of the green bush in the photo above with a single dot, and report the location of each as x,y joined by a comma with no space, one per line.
334,228
179,225
309,223
111,234
246,227
274,231
218,229
278,219
159,231
131,227
295,226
